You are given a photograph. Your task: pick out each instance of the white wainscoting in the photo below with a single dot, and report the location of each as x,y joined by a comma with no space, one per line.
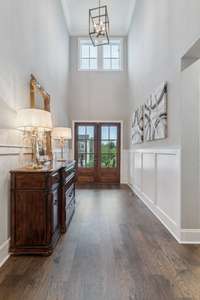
154,175
11,157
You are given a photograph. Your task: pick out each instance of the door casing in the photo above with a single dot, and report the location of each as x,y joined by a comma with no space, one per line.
101,121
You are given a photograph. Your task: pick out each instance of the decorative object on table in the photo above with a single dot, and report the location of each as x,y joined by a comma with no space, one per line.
137,126
40,99
99,25
155,115
34,123
62,134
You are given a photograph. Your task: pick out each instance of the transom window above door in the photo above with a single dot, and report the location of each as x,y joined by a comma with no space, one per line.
104,58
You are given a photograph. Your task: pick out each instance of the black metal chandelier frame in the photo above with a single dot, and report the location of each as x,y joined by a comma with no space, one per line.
99,14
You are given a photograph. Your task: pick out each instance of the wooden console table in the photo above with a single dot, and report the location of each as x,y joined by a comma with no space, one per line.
42,206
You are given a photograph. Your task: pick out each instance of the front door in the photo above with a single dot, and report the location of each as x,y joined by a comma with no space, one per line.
97,152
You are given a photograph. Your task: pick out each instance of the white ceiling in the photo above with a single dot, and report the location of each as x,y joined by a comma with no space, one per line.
120,15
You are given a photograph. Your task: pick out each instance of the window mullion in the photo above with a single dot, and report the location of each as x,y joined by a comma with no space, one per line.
89,58
111,57
100,58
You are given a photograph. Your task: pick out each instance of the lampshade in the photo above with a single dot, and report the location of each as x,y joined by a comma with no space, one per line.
62,133
31,118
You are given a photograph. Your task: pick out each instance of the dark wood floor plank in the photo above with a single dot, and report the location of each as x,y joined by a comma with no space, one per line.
115,249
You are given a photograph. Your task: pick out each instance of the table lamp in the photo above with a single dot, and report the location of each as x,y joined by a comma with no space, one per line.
33,121
62,134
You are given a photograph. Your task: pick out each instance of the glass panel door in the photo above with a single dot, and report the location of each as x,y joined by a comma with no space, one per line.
109,139
109,153
97,152
85,151
86,146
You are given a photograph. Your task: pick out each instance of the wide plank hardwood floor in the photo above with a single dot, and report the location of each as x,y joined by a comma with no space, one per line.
115,249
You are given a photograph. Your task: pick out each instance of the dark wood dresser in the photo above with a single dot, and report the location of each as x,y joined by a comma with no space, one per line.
42,206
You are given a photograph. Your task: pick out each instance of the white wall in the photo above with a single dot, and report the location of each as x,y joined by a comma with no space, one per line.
190,142
34,39
161,33
98,95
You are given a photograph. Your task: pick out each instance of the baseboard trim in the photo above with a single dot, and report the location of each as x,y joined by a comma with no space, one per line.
190,236
4,252
169,224
182,236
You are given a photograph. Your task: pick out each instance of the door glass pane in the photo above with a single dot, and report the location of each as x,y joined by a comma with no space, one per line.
104,132
90,132
89,160
113,133
81,160
89,146
108,161
105,147
81,132
108,147
113,147
81,147
86,160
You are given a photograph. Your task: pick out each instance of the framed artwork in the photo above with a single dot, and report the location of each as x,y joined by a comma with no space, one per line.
155,115
137,126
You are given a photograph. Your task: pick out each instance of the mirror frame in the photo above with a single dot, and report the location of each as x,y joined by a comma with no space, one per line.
34,87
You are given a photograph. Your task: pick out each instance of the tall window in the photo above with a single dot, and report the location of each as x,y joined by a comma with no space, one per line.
112,56
105,58
88,56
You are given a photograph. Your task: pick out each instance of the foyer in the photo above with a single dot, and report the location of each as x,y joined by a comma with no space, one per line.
100,150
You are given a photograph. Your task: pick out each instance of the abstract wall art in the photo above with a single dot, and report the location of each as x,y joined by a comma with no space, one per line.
137,126
155,115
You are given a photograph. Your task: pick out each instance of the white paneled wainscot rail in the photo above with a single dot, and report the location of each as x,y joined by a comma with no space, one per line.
155,177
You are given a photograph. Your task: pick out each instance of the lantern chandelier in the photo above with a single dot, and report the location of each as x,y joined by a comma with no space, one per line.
99,25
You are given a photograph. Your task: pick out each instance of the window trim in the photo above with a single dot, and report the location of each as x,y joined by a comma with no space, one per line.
100,58
79,57
121,69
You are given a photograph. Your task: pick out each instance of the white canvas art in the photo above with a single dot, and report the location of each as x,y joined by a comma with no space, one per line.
137,126
155,115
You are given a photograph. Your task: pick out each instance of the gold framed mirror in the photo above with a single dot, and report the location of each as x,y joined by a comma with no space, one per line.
40,99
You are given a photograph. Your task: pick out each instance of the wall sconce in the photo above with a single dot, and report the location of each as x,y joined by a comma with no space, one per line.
62,134
34,121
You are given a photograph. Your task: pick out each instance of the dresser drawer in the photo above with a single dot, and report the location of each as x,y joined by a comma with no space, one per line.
30,181
70,194
54,180
55,211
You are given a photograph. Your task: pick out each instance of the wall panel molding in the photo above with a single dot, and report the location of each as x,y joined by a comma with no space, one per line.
14,150
159,172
